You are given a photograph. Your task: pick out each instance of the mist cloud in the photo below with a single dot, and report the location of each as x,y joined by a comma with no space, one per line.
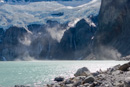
108,53
56,33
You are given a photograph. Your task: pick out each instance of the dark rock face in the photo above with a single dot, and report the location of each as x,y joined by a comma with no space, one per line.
10,42
20,43
110,41
1,39
43,41
76,42
113,30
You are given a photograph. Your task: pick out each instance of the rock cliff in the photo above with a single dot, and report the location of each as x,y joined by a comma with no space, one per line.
105,36
76,41
48,41
112,39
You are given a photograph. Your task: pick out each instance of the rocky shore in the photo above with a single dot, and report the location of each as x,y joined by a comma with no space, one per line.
117,76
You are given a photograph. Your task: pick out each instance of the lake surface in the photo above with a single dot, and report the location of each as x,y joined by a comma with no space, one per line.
37,73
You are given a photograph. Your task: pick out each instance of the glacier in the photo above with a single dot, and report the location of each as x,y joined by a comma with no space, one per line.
23,14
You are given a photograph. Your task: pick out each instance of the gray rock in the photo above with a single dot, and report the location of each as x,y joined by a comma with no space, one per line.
117,72
68,81
101,75
96,73
59,79
127,82
110,70
125,67
77,83
69,85
129,69
116,67
120,85
82,72
81,77
128,73
89,79
86,84
91,85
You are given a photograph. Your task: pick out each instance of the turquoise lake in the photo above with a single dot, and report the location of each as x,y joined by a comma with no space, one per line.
38,73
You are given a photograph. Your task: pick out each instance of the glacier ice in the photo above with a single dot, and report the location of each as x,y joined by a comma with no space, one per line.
21,15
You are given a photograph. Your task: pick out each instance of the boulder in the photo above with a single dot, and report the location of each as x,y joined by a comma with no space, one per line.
59,79
82,72
124,67
89,79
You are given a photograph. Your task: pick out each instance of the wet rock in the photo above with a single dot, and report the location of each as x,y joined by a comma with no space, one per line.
124,67
82,72
59,79
127,82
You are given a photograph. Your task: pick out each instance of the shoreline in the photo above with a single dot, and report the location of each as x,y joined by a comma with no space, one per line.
117,76
97,73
